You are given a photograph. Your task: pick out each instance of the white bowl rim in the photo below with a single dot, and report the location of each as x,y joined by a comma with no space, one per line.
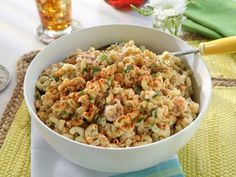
113,148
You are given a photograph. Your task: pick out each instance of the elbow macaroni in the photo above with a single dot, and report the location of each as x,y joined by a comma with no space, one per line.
119,97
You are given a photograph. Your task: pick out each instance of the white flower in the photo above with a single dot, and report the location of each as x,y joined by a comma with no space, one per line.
167,8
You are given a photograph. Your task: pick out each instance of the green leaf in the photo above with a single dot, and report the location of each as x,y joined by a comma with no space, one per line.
140,119
128,68
145,11
95,70
109,81
137,89
142,109
158,93
85,70
63,113
154,113
148,99
153,66
37,96
81,93
56,79
191,2
154,75
91,98
103,57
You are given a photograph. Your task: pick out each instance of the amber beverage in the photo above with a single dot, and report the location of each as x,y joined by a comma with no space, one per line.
56,20
55,15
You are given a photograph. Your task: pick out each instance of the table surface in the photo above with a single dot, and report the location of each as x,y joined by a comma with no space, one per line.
19,20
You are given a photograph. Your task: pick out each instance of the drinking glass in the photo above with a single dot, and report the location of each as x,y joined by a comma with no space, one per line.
56,20
169,24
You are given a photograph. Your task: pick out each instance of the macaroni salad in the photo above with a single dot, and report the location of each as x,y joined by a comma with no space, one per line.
122,96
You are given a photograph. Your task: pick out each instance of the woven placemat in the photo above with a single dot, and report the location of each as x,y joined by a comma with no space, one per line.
17,97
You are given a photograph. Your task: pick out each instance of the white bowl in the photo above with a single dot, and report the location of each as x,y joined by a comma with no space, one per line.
117,159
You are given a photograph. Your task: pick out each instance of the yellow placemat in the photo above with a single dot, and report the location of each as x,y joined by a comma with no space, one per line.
212,150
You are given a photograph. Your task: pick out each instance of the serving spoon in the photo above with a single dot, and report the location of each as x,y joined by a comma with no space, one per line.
219,46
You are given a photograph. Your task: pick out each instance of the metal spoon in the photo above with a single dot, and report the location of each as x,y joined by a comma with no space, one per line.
180,53
219,46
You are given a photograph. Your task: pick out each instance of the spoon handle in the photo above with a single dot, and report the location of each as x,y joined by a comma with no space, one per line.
219,46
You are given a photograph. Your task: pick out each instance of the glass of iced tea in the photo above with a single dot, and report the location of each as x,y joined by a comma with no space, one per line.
56,20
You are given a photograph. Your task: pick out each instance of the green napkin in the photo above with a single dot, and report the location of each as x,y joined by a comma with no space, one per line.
211,18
